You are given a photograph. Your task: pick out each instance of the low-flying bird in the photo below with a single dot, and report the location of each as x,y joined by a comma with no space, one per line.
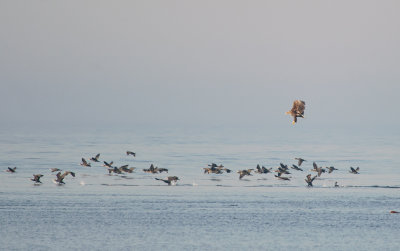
297,110
296,167
60,177
151,169
36,178
126,169
299,161
96,158
54,170
310,180
214,168
243,173
11,170
355,171
331,169
317,169
131,153
114,170
85,163
279,176
109,165
170,180
263,169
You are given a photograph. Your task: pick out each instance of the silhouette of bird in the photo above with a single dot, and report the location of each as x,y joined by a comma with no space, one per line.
131,153
300,161
213,168
170,180
262,169
126,169
297,110
296,167
11,170
279,176
336,184
152,169
54,170
243,173
331,169
114,170
95,159
355,171
85,163
310,180
282,170
36,178
109,165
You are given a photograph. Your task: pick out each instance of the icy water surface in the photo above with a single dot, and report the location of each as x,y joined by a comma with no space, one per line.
202,212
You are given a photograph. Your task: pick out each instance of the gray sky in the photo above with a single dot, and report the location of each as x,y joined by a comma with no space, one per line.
199,63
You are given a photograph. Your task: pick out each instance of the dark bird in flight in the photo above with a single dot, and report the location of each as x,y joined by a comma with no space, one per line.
131,153
85,163
109,165
262,169
331,169
170,180
11,170
114,170
282,170
95,159
36,178
60,177
243,173
279,176
310,180
213,168
355,171
297,110
126,169
299,161
54,170
296,167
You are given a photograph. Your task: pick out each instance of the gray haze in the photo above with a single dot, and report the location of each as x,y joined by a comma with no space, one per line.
199,63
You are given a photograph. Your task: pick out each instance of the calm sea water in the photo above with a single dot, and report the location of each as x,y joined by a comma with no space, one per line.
202,212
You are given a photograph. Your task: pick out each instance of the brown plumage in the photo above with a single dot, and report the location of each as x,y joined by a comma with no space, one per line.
300,161
85,163
243,173
60,177
36,178
297,110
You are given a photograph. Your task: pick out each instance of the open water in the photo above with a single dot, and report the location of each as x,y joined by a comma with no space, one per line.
97,211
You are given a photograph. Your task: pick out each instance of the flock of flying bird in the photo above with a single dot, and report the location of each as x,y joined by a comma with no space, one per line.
281,171
297,111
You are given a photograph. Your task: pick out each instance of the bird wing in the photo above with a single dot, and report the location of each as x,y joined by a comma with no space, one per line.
97,156
315,165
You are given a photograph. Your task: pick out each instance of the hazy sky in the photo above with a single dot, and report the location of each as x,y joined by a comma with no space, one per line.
199,63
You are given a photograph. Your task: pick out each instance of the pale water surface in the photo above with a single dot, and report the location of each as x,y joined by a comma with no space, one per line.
202,212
